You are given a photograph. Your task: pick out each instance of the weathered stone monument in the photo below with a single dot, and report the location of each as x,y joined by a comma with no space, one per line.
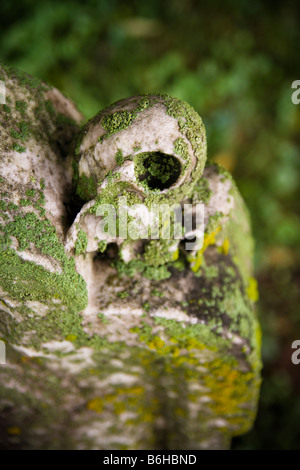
119,334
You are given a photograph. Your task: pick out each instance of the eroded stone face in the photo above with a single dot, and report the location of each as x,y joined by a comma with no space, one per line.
124,342
132,128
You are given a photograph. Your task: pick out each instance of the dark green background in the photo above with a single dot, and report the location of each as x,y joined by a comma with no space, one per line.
234,61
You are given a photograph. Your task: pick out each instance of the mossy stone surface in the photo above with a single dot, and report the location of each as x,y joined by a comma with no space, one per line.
161,352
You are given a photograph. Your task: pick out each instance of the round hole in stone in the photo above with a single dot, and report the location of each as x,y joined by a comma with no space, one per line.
157,170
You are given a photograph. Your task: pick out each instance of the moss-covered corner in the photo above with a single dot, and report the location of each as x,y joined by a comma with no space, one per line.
30,113
34,265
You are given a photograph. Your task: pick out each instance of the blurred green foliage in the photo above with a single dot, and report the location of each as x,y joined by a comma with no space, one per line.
234,61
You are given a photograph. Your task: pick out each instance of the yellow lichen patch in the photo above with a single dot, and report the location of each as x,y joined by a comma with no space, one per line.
120,396
252,290
225,246
258,336
230,392
134,329
176,352
135,390
189,343
156,343
193,343
71,337
13,431
196,261
96,404
209,239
